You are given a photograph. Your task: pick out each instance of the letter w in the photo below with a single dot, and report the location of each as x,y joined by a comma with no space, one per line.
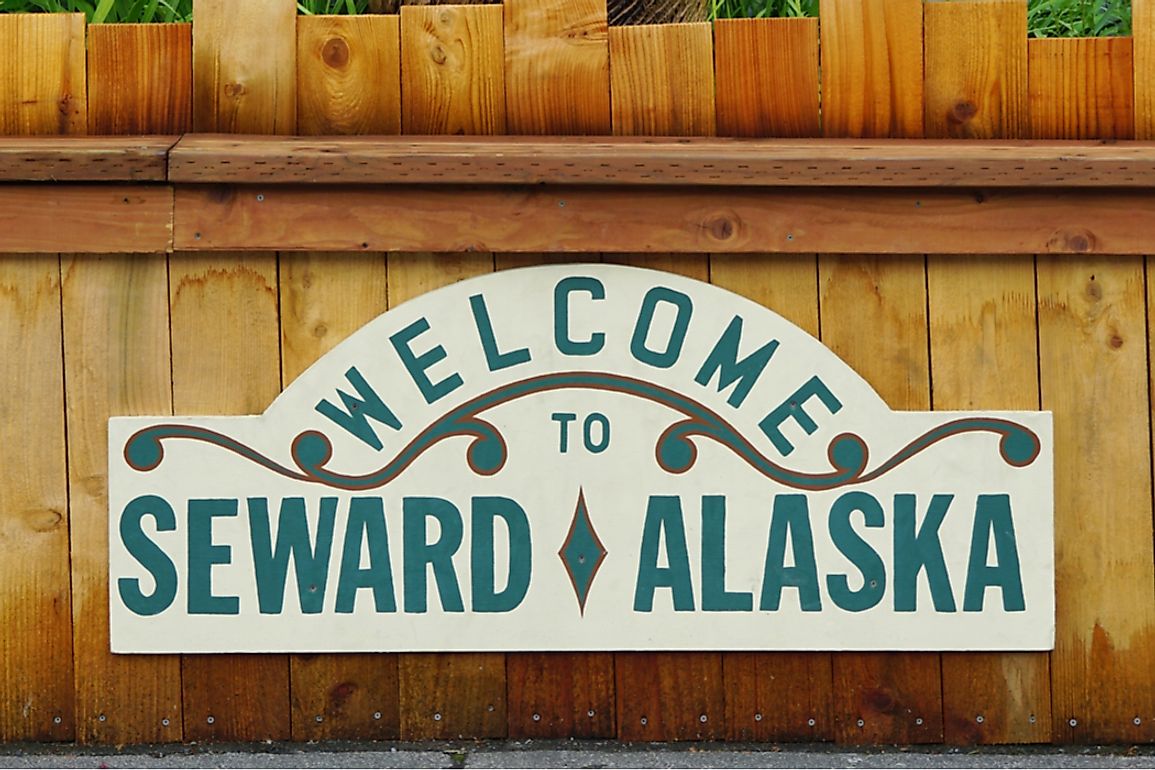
353,418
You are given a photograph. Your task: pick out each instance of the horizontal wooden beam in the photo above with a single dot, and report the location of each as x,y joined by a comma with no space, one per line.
657,219
94,219
85,158
677,162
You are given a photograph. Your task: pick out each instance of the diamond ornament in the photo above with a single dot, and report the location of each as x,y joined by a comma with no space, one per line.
582,553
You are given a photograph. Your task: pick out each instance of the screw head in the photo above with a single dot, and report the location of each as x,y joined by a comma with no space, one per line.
1032,719
811,722
437,717
1137,721
102,718
537,717
56,720
318,718
702,718
165,722
757,717
645,721
980,719
590,713
260,198
211,719
376,714
861,723
1073,722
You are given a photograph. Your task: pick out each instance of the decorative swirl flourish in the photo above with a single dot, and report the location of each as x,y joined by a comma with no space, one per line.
676,452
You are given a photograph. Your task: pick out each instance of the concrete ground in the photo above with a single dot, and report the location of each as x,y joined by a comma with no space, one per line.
563,754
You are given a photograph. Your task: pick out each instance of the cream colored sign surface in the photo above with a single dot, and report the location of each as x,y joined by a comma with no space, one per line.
583,457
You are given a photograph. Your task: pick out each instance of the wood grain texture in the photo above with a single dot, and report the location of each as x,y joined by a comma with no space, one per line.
756,98
557,67
348,75
1094,377
139,78
117,362
558,694
662,220
324,298
648,161
983,338
872,68
452,70
755,682
95,219
1143,55
36,667
669,696
85,159
226,360
42,82
976,69
460,695
1081,88
244,66
874,318
662,80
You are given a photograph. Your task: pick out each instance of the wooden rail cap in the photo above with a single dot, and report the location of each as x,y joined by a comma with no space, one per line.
85,158
659,161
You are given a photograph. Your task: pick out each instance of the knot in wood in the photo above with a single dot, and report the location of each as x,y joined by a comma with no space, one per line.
335,54
1073,242
437,54
880,701
44,520
962,111
234,90
721,228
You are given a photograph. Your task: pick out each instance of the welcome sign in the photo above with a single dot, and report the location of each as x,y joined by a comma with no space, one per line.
582,457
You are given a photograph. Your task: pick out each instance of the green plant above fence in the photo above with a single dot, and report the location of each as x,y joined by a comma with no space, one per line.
1078,18
101,11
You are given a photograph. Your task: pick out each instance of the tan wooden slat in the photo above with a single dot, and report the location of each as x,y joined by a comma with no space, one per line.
452,70
324,298
558,694
872,57
983,340
557,69
117,362
36,667
1094,377
139,78
976,65
755,682
226,360
671,696
348,75
244,66
94,219
458,695
662,80
572,219
1143,55
756,99
649,162
874,318
85,159
42,82
1081,88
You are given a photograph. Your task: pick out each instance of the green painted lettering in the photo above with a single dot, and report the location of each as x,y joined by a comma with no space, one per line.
149,555
858,551
311,561
993,520
790,520
919,548
664,514
420,554
485,513
203,554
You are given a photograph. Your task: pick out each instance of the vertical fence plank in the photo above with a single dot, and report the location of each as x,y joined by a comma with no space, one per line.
36,667
226,360
976,65
872,83
116,348
874,318
557,67
755,682
244,66
456,695
226,353
755,98
981,65
669,696
1094,377
452,70
557,82
662,80
983,336
139,78
324,298
1081,88
42,82
1143,53
348,75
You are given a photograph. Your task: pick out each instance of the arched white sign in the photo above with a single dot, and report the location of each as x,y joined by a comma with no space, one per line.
583,457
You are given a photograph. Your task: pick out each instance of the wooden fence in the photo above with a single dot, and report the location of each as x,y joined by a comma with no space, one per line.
205,330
